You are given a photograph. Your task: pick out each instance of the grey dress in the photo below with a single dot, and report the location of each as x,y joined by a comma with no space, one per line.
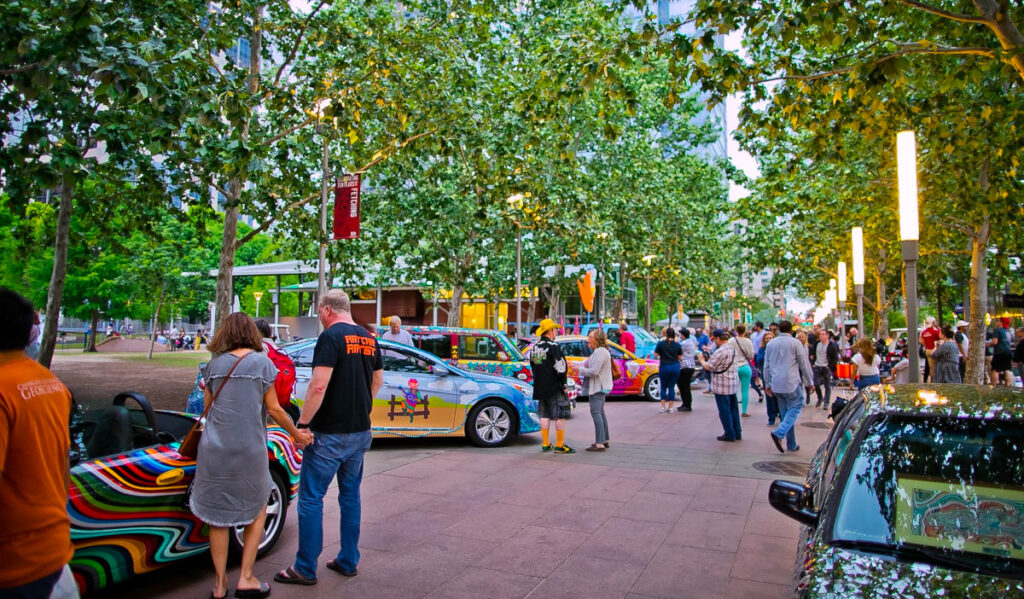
947,363
232,481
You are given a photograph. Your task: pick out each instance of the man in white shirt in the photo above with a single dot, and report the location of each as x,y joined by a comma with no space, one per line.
397,334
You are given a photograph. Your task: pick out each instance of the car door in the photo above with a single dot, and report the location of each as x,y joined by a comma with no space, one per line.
416,399
303,358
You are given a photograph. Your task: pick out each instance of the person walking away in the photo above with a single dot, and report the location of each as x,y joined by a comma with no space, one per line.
348,371
549,382
865,364
1002,355
745,352
928,338
596,373
771,404
802,338
962,343
626,339
232,481
826,357
724,382
757,336
669,353
947,358
284,383
687,365
35,531
786,370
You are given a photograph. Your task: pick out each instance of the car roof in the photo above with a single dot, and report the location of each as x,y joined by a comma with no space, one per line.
957,401
432,329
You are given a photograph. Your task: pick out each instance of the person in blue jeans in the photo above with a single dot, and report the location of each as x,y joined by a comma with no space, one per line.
787,368
724,383
347,372
669,354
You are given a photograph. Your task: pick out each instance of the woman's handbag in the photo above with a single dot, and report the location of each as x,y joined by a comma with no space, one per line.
616,371
189,447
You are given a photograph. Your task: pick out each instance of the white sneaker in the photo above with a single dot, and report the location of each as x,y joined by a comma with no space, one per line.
663,410
671,410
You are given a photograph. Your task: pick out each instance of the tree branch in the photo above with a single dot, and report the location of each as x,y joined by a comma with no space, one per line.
384,154
962,18
290,130
21,69
938,251
220,189
298,40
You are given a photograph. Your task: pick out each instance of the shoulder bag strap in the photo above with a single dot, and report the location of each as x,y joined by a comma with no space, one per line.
219,389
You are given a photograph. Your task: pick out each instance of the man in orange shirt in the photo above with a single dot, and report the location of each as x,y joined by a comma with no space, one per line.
35,531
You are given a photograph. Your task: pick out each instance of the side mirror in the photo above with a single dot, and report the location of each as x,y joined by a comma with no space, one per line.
793,500
439,370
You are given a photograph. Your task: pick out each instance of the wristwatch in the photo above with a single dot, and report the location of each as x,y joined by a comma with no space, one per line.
301,425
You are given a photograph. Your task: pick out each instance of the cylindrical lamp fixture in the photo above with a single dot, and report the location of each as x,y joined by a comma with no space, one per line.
858,255
842,281
906,170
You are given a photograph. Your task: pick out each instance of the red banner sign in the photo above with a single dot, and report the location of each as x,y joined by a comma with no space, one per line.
346,207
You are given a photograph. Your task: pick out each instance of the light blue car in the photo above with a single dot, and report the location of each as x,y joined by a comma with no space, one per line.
645,341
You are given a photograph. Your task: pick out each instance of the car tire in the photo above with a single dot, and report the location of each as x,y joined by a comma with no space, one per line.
273,525
652,388
491,423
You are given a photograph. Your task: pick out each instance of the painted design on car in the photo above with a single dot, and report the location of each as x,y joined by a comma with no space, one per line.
637,372
506,360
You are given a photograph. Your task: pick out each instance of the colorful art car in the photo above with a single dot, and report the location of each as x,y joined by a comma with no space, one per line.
639,375
128,499
423,396
478,350
645,341
917,492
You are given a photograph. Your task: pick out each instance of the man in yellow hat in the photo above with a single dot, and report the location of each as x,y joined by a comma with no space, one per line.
549,381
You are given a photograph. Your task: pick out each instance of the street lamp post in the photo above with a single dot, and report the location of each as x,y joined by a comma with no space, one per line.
842,296
516,202
258,295
647,290
858,274
321,283
906,163
834,302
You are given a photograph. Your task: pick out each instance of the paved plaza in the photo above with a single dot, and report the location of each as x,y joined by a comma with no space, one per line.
667,511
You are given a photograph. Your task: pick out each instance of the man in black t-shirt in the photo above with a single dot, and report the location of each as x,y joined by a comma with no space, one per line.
347,373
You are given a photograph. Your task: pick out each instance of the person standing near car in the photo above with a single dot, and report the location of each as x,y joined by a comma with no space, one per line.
232,481
669,354
348,371
787,373
35,531
550,377
724,382
626,339
596,375
1002,355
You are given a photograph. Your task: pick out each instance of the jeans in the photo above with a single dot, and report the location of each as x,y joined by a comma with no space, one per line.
669,374
729,414
823,377
600,418
772,407
867,381
744,373
685,393
790,405
328,457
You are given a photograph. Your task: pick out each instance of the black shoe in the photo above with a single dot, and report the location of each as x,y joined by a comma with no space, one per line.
818,404
808,402
797,448
685,409
739,438
778,442
726,439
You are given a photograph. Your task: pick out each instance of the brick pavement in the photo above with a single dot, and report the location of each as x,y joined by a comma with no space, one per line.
667,511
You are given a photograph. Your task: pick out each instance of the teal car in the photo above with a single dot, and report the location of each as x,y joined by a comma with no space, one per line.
917,492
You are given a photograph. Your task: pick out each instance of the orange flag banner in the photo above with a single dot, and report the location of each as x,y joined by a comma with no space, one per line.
586,287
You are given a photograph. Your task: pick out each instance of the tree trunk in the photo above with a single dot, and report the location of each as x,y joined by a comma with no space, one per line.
55,294
979,300
455,305
225,285
156,319
95,320
531,307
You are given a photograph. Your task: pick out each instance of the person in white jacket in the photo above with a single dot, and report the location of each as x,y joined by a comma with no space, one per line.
596,378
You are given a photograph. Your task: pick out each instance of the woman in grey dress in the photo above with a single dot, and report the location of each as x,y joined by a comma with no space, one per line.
232,481
946,358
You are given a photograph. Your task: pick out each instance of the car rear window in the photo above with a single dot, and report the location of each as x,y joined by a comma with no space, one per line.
951,486
439,345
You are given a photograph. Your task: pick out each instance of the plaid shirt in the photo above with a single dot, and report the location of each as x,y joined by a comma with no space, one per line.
724,361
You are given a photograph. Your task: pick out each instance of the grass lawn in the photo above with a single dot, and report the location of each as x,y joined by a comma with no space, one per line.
183,359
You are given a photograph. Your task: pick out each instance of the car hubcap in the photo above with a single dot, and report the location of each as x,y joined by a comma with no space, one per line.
654,386
275,506
493,424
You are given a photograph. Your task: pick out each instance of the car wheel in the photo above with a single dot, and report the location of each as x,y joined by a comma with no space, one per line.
273,525
652,388
490,424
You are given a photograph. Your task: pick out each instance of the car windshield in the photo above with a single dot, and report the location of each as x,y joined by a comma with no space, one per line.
949,491
643,335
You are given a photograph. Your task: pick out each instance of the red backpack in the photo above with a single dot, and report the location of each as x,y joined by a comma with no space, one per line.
285,381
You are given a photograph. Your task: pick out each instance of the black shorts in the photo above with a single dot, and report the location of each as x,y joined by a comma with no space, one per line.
556,408
1001,362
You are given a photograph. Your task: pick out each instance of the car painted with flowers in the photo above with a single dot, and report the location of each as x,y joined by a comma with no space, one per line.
645,340
639,375
424,396
918,491
480,350
128,498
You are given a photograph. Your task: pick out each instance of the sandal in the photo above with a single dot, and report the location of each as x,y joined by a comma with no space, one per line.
334,565
263,591
594,447
290,576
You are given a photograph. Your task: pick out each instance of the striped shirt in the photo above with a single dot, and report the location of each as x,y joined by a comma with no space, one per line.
723,363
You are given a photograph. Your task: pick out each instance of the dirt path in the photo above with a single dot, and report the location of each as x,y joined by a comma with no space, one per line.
94,379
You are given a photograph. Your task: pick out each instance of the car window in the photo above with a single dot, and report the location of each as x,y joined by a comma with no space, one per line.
575,349
945,486
437,344
303,356
478,347
400,361
839,439
613,334
617,354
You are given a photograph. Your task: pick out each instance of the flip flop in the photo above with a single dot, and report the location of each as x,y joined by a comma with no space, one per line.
334,565
263,591
290,576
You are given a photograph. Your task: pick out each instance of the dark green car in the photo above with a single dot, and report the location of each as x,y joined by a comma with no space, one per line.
918,492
